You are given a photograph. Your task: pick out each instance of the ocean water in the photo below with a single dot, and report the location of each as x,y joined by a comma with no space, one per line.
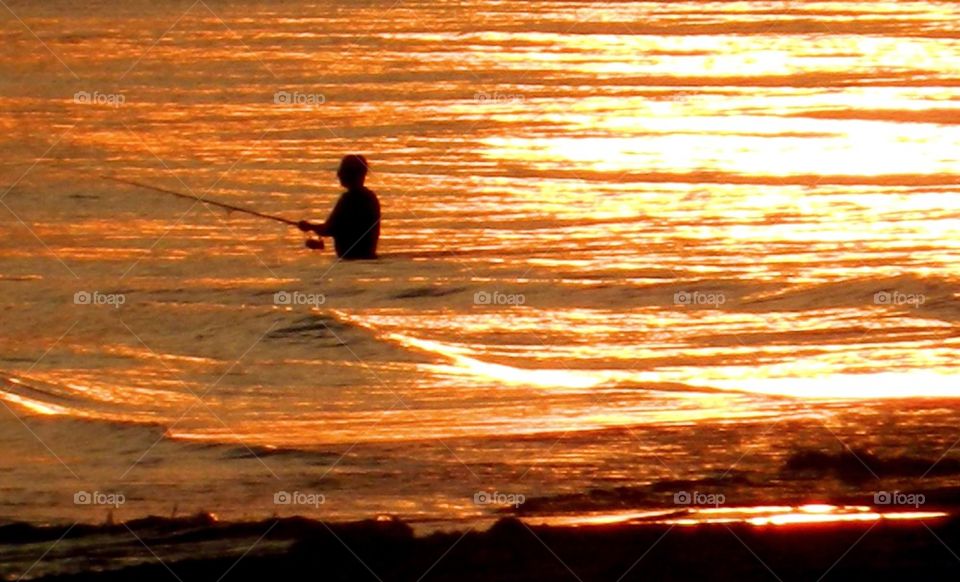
629,249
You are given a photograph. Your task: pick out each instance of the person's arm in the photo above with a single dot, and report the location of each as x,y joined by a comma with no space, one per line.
326,228
307,226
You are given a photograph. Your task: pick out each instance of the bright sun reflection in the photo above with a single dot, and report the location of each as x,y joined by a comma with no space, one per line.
912,384
762,515
674,143
508,375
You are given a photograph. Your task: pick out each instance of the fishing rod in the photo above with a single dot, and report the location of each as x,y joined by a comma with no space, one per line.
316,244
203,200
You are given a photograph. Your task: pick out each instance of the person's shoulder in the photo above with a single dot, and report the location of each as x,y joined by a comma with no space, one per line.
368,194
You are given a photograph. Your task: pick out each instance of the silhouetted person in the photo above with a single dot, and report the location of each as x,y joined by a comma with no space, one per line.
354,223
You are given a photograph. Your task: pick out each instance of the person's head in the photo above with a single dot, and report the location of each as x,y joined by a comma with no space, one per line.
353,171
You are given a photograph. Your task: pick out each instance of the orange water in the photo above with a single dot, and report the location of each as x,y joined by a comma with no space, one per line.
622,245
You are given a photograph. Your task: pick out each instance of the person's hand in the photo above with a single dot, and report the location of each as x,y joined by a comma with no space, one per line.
315,244
305,225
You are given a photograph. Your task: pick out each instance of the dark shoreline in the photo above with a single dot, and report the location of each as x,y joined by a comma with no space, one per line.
514,551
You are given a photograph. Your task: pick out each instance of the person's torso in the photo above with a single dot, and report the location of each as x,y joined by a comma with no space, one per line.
357,227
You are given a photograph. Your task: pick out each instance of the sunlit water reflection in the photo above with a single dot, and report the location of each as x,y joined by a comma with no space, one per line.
662,242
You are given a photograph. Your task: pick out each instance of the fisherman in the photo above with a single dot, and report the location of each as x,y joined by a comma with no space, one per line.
354,223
